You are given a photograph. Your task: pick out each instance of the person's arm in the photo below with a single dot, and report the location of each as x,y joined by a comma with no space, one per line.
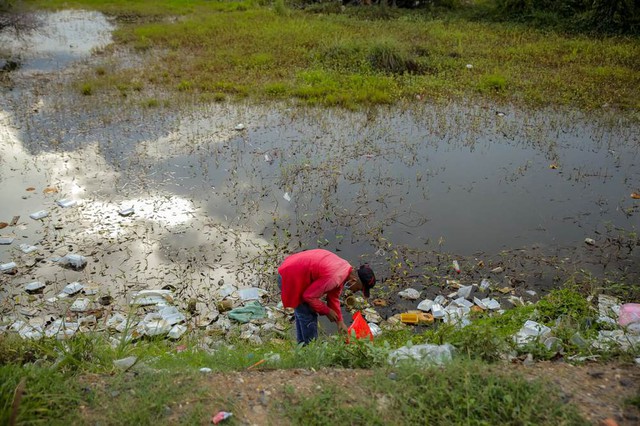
315,291
333,302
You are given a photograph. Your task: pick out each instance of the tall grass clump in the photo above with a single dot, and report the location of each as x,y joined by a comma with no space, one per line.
391,57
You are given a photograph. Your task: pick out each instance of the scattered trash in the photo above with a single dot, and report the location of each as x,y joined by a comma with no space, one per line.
531,292
72,288
375,329
125,363
14,221
80,305
34,287
456,266
497,270
6,241
578,340
608,309
359,328
50,190
286,196
531,331
485,284
410,293
553,344
416,318
3,225
629,313
590,241
425,305
220,416
127,211
239,126
553,166
39,215
8,268
436,354
177,331
469,66
152,297
437,311
26,248
465,291
73,261
205,370
249,293
251,311
268,158
61,329
500,113
635,195
66,203
156,327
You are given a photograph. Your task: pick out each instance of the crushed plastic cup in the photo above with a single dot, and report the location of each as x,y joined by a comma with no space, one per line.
465,291
437,311
485,284
72,288
39,215
410,293
425,305
249,293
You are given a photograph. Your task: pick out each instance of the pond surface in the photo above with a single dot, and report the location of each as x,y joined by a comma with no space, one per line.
213,203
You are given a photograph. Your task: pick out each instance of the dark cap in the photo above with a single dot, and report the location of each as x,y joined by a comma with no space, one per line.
365,273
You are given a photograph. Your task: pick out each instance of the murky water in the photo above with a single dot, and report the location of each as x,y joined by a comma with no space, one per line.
211,202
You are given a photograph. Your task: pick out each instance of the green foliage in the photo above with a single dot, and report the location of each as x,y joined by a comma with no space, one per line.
389,56
86,89
492,83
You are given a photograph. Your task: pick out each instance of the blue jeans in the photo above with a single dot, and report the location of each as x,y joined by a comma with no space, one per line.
306,320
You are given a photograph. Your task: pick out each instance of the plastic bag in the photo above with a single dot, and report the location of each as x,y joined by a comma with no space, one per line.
359,328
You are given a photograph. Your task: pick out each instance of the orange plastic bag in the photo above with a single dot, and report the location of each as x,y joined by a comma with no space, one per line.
359,328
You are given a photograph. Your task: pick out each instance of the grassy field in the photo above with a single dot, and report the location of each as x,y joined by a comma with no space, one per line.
357,56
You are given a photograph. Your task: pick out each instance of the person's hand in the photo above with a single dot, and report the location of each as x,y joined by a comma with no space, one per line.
333,317
342,327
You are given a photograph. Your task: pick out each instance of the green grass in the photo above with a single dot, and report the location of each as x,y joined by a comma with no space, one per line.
460,393
265,53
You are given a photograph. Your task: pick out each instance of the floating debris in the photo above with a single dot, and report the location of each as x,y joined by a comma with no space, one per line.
39,215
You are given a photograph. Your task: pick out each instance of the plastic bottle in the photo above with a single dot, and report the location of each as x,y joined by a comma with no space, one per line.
456,266
220,416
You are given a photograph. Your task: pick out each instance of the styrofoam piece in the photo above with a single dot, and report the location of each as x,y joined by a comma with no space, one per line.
8,268
80,305
125,363
491,304
480,303
158,297
126,211
465,291
286,196
26,248
5,241
66,203
425,305
72,288
34,286
440,300
177,331
61,329
39,215
462,302
531,331
172,315
437,311
410,293
156,327
375,329
226,291
485,284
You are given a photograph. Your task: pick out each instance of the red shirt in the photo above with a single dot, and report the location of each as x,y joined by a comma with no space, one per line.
311,274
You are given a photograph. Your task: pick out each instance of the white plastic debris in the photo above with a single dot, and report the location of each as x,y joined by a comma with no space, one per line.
480,303
39,215
73,261
425,305
34,286
491,304
437,311
61,329
497,270
485,284
462,303
286,196
177,331
375,329
205,370
531,292
530,332
66,203
226,291
172,315
469,66
125,363
88,320
590,241
80,305
465,291
5,241
410,293
116,321
72,288
608,309
239,126
249,293
553,344
516,301
158,297
432,354
156,327
126,211
26,248
8,268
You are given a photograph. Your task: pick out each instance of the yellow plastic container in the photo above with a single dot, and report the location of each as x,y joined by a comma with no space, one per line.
409,318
